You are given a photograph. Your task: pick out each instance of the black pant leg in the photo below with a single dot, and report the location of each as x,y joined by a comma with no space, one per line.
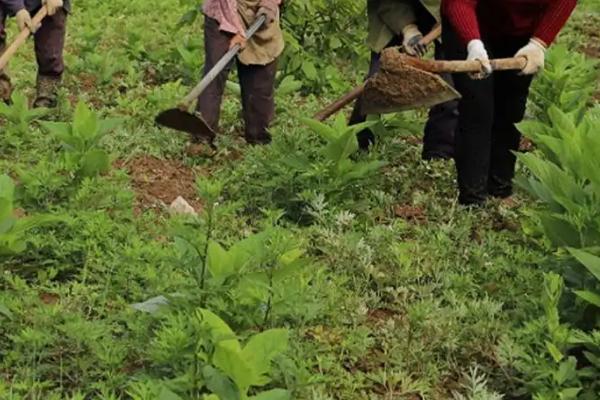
511,91
474,131
438,139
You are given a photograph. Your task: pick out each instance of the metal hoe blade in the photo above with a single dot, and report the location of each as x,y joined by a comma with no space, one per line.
184,121
399,86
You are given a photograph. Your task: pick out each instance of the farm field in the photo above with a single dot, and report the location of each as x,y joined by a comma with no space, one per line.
310,270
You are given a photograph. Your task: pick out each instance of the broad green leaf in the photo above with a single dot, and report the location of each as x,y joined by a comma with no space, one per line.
167,394
589,261
228,358
85,122
323,130
94,162
219,263
275,394
262,348
219,384
108,125
569,393
590,297
566,371
219,329
7,188
310,71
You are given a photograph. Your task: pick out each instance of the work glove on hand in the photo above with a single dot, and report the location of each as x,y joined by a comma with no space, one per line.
270,10
52,5
535,53
476,51
412,41
24,20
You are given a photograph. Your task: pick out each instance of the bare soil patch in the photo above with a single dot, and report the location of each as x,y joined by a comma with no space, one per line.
157,183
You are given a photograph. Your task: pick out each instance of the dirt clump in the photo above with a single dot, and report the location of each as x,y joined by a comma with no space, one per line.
399,86
157,182
410,213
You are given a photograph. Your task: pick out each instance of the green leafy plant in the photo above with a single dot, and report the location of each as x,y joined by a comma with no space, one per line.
209,360
14,231
19,115
566,178
567,82
80,140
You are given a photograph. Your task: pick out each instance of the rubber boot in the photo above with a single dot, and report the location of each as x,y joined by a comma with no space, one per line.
47,92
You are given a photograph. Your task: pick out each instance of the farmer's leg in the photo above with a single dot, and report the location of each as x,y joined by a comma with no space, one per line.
511,91
365,137
216,44
49,46
5,86
258,100
474,131
438,141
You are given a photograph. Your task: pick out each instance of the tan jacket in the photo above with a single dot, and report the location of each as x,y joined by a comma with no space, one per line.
267,44
387,18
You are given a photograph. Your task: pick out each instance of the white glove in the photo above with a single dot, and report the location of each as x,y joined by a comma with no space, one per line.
476,51
535,53
52,5
412,41
24,20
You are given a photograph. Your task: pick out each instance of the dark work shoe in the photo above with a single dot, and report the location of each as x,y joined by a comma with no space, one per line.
262,139
47,92
469,197
500,188
365,138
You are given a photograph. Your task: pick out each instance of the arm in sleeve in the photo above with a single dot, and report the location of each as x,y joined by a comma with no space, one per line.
13,5
554,19
462,15
396,14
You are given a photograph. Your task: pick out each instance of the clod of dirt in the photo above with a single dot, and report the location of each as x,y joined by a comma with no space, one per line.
398,86
49,298
158,183
410,213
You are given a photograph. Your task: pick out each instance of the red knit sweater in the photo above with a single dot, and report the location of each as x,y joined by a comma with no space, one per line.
473,19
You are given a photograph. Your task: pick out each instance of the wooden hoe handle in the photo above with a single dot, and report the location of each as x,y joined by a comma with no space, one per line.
437,67
21,38
355,93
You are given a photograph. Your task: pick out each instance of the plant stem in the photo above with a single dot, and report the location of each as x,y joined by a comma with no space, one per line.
205,254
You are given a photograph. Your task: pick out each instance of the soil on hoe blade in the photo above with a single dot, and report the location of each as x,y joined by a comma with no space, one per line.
400,86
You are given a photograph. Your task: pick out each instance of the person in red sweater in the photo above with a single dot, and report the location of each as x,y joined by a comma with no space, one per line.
493,102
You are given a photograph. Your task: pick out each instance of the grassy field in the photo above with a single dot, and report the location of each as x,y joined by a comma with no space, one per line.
384,287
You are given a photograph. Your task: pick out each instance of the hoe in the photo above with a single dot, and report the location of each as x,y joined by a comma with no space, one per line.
180,118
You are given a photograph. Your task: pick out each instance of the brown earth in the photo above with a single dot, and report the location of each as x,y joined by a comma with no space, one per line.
410,213
399,85
157,183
